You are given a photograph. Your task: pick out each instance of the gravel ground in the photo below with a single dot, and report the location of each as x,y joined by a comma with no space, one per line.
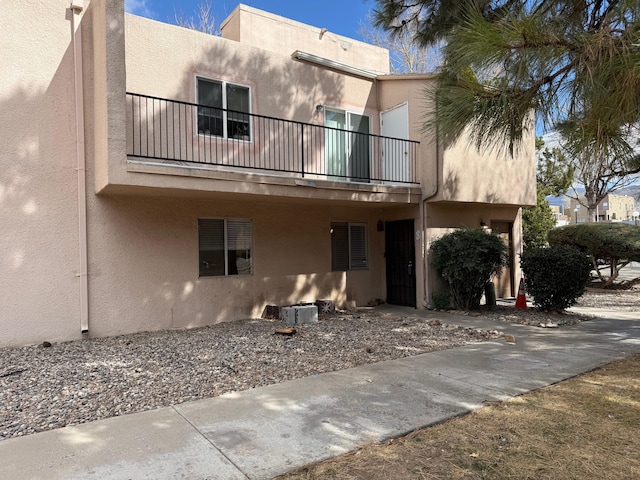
42,388
623,300
533,317
620,300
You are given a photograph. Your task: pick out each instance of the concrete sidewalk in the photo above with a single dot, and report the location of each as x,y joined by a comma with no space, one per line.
260,433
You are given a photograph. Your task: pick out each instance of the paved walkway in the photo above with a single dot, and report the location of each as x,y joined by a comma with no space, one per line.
260,433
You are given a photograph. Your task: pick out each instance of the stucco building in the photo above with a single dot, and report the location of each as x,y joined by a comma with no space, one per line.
154,177
612,208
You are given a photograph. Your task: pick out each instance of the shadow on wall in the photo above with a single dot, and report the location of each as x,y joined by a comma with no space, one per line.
21,197
280,87
145,273
38,197
497,179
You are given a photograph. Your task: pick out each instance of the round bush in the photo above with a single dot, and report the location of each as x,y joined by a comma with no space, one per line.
465,259
604,240
555,276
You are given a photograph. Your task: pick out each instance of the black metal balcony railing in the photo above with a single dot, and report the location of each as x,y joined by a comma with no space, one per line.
171,131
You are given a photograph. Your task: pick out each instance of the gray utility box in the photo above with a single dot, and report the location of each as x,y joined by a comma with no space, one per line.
299,314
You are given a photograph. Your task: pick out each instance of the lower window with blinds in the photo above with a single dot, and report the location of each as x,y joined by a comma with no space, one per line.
349,246
225,247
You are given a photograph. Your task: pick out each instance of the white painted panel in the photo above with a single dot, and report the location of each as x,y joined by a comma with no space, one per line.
394,123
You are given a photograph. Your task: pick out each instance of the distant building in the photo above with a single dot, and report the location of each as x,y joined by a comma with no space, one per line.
561,218
612,208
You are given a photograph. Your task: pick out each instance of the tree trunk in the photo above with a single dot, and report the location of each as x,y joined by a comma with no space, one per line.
592,199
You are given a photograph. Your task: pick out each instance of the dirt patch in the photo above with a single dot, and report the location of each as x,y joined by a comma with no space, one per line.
587,427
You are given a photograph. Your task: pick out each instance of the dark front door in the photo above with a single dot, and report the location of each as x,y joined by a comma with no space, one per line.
400,260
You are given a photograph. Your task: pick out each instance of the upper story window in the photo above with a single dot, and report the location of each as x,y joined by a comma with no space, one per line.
224,109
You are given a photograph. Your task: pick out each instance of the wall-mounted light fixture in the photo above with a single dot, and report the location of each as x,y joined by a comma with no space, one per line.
319,108
380,226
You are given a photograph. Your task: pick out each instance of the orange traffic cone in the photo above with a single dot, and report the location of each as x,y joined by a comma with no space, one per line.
521,301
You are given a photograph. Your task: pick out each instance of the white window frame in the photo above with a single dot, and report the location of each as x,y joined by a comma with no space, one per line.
226,247
350,246
224,83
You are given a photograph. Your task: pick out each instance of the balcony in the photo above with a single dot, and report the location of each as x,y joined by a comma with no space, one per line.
169,132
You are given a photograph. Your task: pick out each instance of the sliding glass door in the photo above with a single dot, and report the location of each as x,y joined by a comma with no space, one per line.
347,145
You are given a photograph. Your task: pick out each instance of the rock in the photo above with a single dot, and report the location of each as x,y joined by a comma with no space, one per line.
509,338
286,331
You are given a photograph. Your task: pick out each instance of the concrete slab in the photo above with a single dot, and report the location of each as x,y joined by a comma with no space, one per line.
149,445
315,418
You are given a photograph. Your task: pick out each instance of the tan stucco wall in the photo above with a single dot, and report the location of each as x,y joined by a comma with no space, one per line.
461,172
398,89
442,218
460,187
491,176
38,181
145,262
283,36
143,248
163,60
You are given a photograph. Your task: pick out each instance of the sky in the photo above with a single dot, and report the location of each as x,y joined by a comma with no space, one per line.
343,17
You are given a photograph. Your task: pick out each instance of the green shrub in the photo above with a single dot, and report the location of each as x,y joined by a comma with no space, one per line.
603,241
615,244
536,223
441,300
555,276
465,260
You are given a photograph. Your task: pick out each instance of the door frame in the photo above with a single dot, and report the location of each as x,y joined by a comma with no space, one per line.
395,164
510,268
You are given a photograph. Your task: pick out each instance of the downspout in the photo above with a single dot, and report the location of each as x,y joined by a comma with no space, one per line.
423,222
76,8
